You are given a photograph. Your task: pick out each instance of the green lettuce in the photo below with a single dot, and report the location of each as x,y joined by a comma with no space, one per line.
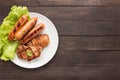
8,48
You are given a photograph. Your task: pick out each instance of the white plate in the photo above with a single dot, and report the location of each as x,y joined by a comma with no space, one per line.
48,52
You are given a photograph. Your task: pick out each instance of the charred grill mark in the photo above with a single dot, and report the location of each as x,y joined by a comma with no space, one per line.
39,28
34,32
18,24
33,23
14,30
27,37
30,35
16,27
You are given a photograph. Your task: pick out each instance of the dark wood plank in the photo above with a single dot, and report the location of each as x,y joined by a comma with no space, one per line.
87,27
79,13
62,73
71,58
72,65
85,51
90,42
86,58
61,2
73,13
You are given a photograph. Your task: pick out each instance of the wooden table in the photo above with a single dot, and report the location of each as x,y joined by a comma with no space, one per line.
89,48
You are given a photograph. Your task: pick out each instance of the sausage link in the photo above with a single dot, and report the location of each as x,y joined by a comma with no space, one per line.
26,28
22,20
35,31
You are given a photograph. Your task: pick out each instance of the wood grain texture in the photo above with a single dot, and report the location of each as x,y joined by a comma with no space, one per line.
71,58
71,65
89,47
73,13
90,42
82,28
61,2
62,72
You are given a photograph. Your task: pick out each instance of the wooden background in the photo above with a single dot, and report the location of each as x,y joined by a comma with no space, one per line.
89,48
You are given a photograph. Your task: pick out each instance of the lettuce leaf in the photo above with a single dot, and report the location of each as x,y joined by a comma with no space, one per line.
8,48
9,51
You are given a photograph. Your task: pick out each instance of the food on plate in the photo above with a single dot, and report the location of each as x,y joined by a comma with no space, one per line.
27,27
39,41
42,40
21,35
23,19
33,48
31,42
35,31
29,53
7,47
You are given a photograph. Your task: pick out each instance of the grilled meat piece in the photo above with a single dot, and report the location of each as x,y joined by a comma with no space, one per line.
36,51
28,53
24,55
42,40
34,48
22,48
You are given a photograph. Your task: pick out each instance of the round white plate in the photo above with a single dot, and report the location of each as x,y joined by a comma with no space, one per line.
48,52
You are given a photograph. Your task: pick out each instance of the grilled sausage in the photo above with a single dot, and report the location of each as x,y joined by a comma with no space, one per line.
27,27
35,31
22,20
